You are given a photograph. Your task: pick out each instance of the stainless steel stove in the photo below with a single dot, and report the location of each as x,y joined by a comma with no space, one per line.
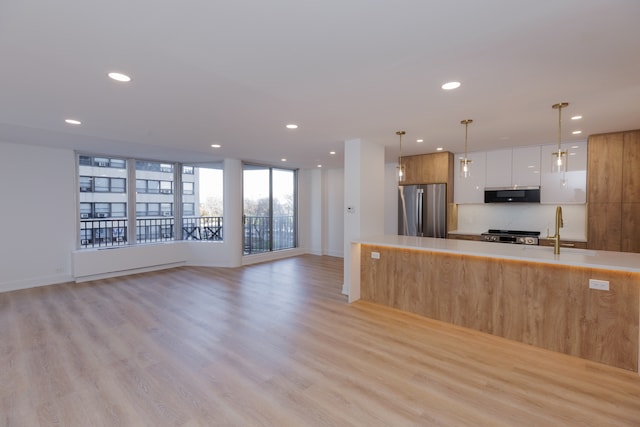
512,236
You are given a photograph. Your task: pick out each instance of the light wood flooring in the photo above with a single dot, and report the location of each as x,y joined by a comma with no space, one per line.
276,344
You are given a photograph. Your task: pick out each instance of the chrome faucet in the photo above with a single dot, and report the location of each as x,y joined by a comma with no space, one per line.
559,225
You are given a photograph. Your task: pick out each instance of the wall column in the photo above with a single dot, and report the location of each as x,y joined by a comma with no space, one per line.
363,197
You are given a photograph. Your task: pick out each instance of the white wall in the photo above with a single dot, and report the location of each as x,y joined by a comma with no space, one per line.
390,199
38,221
38,215
333,204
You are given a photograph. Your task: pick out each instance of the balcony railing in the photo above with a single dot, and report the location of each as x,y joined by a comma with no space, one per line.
100,233
258,233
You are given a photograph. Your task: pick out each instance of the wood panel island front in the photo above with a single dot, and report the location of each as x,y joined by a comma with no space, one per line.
519,292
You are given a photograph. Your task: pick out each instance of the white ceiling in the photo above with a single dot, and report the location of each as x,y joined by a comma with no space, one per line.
235,72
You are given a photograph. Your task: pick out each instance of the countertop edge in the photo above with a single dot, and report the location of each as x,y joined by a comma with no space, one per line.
603,260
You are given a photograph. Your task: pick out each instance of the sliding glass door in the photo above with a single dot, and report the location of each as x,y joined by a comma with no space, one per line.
269,209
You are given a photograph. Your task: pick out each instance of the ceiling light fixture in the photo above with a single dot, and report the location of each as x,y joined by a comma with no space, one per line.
465,163
283,160
419,140
451,85
400,166
439,149
576,132
216,145
292,126
576,117
119,77
332,153
559,164
73,122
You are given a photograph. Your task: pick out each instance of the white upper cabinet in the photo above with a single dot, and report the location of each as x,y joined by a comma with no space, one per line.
499,168
470,189
513,167
526,167
569,187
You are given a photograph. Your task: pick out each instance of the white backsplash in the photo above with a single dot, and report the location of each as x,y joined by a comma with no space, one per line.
475,219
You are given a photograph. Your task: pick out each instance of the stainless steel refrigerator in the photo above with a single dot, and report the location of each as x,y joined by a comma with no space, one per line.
422,210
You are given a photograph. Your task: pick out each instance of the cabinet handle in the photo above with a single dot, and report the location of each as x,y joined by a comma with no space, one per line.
568,245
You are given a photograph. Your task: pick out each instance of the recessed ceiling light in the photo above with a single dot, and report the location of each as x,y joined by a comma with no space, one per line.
439,149
319,166
576,117
119,77
451,85
576,132
216,145
419,140
575,147
73,122
292,126
283,160
332,153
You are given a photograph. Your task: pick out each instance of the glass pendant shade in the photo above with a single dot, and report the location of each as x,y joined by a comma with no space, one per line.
465,168
559,161
401,174
400,168
465,163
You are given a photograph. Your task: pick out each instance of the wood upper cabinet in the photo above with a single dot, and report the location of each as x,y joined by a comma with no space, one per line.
435,168
613,221
604,180
631,168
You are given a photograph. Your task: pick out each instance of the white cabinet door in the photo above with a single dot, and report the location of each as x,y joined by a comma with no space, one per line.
569,187
470,189
526,167
499,168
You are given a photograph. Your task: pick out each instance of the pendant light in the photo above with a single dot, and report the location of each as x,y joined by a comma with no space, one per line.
401,175
559,163
465,163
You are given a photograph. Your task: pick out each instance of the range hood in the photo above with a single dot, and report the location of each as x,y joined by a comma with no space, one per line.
512,195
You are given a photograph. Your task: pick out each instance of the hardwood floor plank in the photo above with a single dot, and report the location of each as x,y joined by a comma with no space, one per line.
276,344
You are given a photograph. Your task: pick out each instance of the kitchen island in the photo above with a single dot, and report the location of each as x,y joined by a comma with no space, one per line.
519,292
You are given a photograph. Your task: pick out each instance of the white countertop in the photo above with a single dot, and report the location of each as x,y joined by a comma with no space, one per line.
620,261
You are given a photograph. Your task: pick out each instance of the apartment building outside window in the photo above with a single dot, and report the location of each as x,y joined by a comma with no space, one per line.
105,197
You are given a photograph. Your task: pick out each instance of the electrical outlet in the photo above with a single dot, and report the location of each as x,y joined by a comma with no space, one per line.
375,255
601,285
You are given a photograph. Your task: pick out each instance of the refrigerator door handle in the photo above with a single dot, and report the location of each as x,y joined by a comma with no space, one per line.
419,211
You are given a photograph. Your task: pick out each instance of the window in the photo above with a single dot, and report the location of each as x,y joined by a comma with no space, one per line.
118,185
166,187
188,209
118,210
100,184
104,200
187,188
86,210
153,186
269,209
141,209
166,209
141,185
153,209
86,184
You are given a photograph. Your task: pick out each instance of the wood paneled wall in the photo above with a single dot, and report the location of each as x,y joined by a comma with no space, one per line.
545,305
